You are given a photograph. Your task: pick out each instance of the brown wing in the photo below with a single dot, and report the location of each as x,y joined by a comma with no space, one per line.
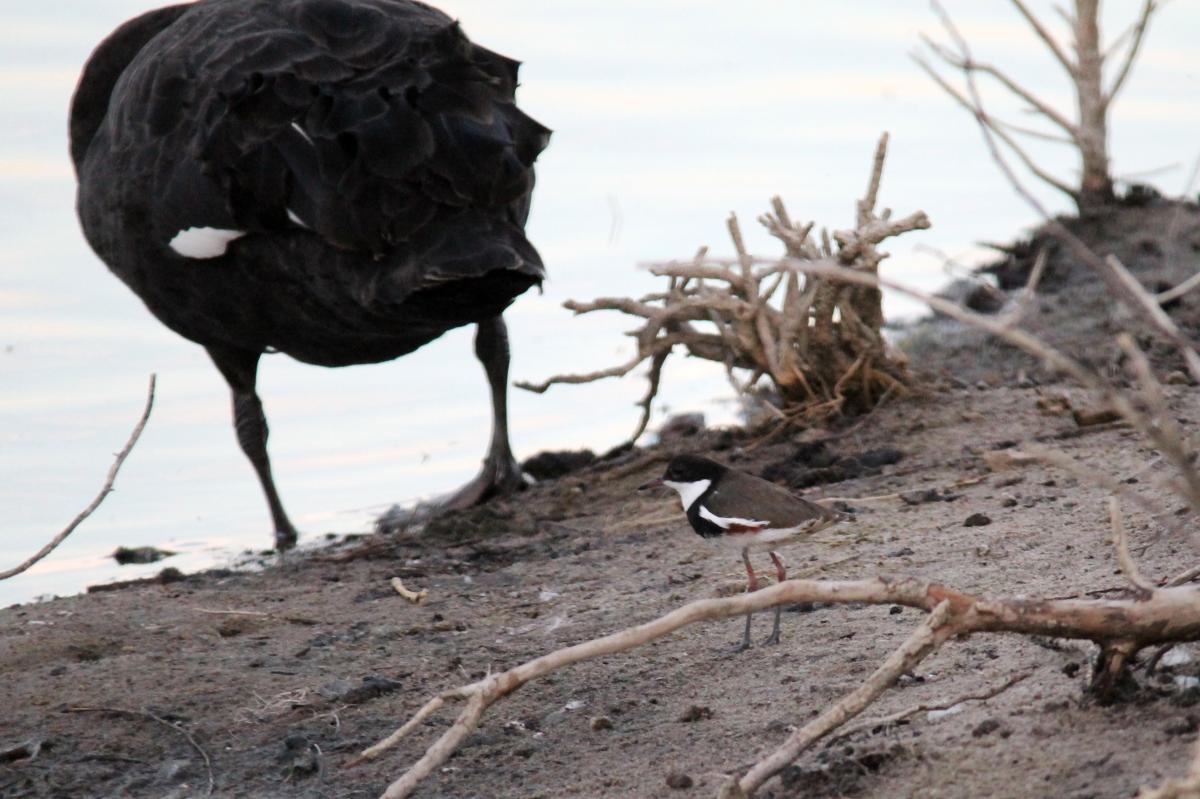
743,496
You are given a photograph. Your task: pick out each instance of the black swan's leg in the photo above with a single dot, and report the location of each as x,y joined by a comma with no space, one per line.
240,369
501,474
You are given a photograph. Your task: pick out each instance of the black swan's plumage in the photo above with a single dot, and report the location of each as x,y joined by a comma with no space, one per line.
366,161
393,141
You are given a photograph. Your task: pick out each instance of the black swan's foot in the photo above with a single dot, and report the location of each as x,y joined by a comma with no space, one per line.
500,476
285,538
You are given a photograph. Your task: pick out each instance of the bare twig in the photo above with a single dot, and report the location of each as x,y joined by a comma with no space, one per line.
1164,431
1121,548
893,718
146,714
1046,37
1183,577
95,503
965,63
1178,291
995,127
305,621
1025,296
1139,33
1114,486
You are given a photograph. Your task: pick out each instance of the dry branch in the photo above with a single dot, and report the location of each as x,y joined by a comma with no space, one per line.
1156,426
1087,131
1119,625
1121,548
95,503
818,341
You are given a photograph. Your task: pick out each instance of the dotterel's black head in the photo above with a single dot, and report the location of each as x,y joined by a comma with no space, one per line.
692,469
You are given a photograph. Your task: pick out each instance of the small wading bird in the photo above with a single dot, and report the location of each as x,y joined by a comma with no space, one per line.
746,511
339,180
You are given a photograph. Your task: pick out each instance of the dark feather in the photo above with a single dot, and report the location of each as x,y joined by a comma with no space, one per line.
741,495
393,138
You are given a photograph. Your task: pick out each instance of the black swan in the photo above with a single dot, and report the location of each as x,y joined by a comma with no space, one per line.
339,180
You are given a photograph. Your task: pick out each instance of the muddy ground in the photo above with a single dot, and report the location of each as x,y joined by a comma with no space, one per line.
277,678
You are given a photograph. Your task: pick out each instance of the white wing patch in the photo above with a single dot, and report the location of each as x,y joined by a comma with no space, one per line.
726,522
296,220
203,243
296,127
689,492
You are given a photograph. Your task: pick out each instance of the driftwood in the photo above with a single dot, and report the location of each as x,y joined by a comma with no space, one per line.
819,344
1119,626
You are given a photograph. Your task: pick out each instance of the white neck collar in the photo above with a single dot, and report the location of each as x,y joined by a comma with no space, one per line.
689,492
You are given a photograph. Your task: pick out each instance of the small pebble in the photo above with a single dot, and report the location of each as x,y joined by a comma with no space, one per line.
127,555
985,727
696,713
920,497
1177,379
1183,726
977,520
679,781
600,723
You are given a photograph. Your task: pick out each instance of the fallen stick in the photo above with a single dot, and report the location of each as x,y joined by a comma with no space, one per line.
415,597
258,614
1119,626
104,491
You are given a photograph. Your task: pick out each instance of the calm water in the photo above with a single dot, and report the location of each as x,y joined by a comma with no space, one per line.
667,115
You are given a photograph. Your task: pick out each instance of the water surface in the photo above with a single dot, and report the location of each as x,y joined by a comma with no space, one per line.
667,116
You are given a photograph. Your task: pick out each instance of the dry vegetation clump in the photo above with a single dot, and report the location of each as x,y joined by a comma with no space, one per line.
816,340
